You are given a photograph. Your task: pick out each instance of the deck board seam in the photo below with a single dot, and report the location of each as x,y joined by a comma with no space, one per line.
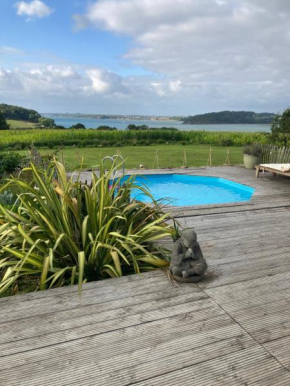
188,366
237,211
248,333
80,307
100,333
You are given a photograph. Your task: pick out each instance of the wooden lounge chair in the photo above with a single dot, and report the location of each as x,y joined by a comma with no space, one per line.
283,169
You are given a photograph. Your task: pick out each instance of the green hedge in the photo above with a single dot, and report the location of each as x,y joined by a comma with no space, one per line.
19,139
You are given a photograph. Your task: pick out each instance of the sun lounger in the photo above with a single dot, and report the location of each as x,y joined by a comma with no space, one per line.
283,169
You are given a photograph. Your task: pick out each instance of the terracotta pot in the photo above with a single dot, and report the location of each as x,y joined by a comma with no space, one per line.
250,161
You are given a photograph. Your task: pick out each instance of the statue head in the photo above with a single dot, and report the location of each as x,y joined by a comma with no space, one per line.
189,238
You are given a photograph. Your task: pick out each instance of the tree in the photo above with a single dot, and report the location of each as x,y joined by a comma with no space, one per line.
3,124
281,126
231,117
139,127
143,127
131,127
46,122
281,123
78,126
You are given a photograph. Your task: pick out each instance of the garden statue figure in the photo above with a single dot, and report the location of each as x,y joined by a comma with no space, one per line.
187,263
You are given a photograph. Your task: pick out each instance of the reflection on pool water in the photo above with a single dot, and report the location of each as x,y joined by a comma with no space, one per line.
183,190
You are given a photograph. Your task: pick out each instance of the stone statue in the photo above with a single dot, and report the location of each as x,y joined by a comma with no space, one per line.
187,263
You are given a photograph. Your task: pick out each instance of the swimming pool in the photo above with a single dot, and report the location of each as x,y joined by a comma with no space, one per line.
183,190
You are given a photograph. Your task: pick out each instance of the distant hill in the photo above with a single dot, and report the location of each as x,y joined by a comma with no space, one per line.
223,117
19,113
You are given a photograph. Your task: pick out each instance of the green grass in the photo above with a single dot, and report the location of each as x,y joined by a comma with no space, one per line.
20,124
168,155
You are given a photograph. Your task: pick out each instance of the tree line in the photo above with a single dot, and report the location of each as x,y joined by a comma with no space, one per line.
230,117
19,113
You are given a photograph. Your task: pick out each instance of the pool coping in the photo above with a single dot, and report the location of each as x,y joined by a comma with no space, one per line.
226,181
236,173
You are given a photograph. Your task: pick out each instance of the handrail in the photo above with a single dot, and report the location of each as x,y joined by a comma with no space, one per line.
112,159
108,157
123,161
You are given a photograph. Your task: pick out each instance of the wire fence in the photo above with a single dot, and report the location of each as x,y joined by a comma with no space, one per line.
187,158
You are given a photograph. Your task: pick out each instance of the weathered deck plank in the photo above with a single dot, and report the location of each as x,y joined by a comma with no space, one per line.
231,329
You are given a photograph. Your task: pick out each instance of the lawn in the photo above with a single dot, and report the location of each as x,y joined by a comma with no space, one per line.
20,124
168,155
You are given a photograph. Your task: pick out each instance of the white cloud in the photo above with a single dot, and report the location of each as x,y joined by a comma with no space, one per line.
8,82
68,88
105,82
175,86
134,16
33,9
159,88
62,81
74,88
50,80
99,85
200,55
208,53
167,88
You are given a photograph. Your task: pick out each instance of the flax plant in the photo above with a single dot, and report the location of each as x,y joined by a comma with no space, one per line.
64,232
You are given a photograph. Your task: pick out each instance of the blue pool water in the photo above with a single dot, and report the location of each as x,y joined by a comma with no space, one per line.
183,190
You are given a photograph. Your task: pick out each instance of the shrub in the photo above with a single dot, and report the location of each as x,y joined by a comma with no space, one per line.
40,161
255,150
65,232
18,146
145,142
159,141
3,124
9,162
105,143
227,142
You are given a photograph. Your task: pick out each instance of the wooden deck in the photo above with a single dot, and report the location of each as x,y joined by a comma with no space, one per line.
231,329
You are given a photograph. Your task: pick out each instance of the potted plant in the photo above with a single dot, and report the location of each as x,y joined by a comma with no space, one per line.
252,155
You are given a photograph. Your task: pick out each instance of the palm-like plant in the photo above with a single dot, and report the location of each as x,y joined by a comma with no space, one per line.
62,231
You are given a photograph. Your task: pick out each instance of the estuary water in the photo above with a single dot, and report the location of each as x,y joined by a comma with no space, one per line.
91,123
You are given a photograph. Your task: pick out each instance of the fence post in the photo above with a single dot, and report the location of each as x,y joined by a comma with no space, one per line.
209,162
228,157
184,159
156,160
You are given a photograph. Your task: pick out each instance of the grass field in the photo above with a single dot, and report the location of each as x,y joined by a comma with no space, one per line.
20,124
168,155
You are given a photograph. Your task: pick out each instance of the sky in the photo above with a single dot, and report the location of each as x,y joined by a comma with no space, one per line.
150,57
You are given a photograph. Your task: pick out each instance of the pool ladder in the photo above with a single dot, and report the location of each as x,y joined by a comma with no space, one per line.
113,159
